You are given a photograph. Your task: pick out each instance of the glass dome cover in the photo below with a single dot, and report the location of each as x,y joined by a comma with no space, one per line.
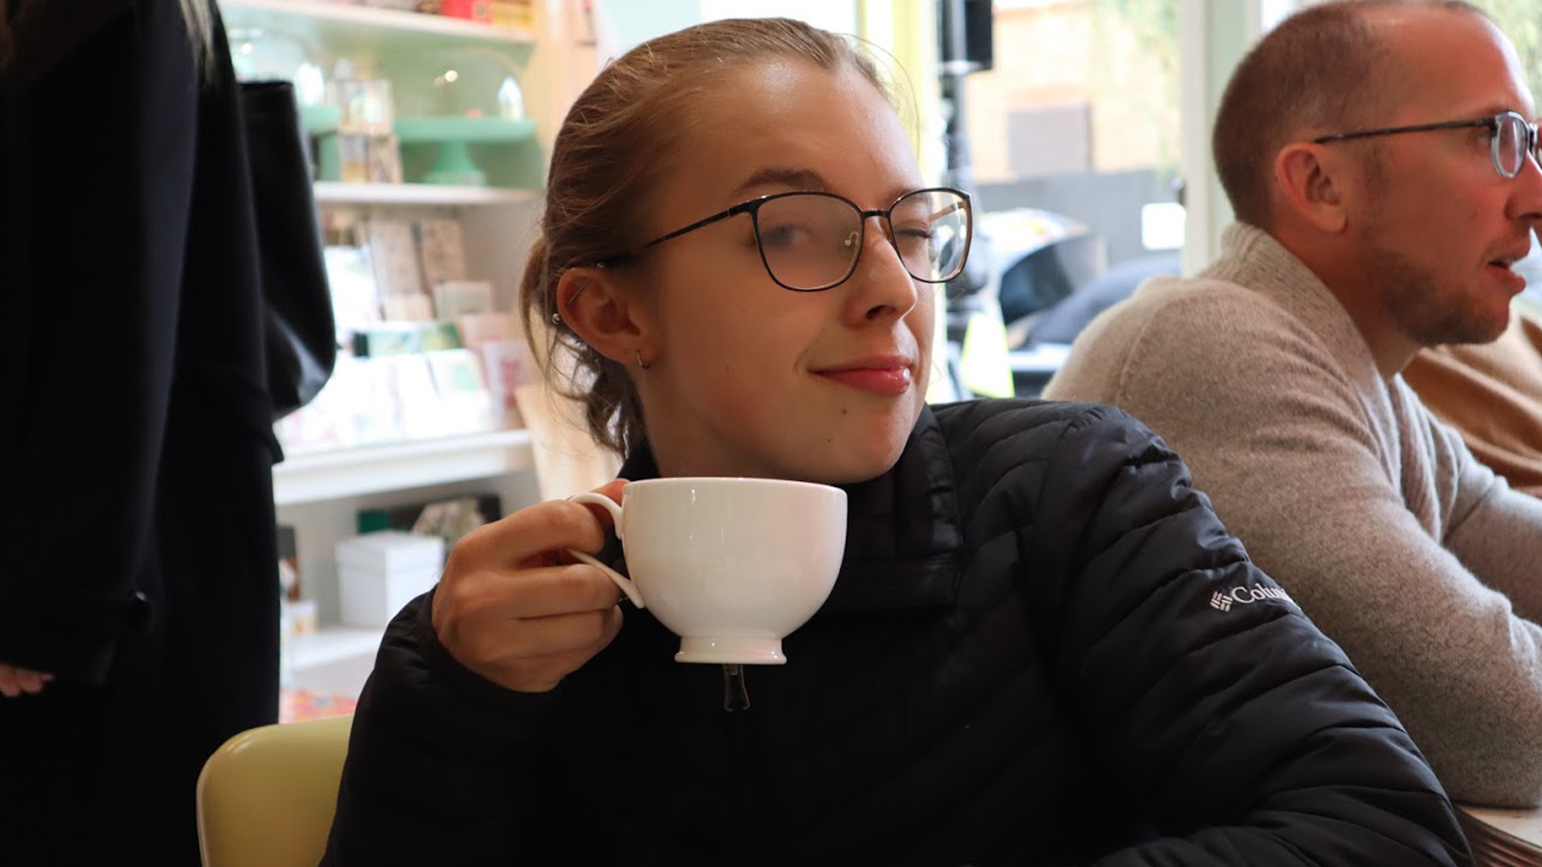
268,54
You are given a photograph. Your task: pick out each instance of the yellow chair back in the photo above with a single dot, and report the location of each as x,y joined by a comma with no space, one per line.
266,797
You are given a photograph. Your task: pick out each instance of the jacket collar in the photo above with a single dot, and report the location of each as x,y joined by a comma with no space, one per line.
904,534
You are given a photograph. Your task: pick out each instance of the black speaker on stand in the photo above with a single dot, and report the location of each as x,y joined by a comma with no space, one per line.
964,30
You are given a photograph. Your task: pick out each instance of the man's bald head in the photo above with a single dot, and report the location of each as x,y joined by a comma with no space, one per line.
1325,69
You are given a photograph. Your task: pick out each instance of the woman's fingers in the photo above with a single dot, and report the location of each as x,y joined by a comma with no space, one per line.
508,607
521,538
547,639
547,591
497,600
15,682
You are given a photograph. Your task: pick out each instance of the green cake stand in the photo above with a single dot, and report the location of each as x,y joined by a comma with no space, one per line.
454,135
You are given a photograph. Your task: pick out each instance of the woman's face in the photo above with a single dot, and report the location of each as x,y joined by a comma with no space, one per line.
746,377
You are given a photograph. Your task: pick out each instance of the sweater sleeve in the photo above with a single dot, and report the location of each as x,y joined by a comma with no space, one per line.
1493,528
1211,703
1284,445
440,760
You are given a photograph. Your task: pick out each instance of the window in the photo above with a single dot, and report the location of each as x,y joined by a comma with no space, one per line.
1075,137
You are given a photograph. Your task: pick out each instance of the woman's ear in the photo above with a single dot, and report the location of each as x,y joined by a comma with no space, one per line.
605,309
1311,186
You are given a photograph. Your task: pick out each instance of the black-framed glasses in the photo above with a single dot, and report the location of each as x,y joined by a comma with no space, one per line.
810,242
1510,138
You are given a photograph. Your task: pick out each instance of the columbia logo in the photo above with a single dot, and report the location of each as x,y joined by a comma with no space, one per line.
1244,595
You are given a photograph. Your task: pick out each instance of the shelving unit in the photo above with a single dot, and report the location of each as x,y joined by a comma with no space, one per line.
334,660
321,492
336,193
352,472
346,29
332,645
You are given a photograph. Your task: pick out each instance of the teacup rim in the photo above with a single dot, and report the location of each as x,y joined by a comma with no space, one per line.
719,480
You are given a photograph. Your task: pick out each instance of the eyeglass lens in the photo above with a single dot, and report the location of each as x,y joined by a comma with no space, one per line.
813,241
1513,140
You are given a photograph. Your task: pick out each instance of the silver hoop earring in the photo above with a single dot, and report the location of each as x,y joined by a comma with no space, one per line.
643,365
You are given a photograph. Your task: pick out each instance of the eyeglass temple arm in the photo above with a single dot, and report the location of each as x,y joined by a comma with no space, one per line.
721,215
1392,130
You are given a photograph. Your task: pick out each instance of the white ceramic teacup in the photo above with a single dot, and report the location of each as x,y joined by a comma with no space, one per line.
730,565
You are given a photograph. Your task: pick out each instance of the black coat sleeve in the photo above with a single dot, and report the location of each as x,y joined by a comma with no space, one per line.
1209,700
440,760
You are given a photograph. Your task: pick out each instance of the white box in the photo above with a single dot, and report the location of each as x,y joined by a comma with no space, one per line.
372,598
378,573
391,551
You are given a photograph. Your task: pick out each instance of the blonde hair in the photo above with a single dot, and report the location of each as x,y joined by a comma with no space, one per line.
605,159
198,18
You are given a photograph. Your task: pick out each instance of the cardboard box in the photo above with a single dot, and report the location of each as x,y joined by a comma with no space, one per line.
471,10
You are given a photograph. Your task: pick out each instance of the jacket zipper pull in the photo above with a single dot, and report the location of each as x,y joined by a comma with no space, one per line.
735,696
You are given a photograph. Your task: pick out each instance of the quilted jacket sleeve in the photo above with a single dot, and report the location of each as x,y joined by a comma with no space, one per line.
429,760
1206,696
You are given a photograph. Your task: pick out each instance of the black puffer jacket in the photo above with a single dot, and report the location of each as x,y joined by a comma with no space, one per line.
1043,648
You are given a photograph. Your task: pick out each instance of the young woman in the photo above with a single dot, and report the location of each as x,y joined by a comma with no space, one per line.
1042,646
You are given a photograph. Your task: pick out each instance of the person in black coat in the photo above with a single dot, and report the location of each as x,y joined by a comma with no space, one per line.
1042,646
138,584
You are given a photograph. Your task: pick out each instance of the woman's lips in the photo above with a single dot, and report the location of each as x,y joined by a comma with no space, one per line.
882,379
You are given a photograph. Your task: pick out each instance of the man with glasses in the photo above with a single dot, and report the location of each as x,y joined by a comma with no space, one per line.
1382,163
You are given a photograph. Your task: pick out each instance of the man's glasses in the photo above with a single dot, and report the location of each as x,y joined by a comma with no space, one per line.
1510,138
810,242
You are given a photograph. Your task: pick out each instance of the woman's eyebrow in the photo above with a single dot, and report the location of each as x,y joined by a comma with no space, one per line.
803,179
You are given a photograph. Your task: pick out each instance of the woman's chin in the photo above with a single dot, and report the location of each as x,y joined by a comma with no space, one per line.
853,465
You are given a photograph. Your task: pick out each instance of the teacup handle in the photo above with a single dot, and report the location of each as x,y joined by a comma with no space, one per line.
622,581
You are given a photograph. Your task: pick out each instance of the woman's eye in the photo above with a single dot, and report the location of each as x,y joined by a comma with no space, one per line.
912,238
787,235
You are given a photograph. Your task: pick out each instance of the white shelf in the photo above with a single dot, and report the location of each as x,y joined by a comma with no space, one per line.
348,29
314,476
333,644
336,660
334,192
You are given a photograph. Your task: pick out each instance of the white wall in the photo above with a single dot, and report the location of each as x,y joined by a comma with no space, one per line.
838,17
635,21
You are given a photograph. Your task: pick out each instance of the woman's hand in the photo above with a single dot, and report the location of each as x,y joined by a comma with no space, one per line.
15,681
513,608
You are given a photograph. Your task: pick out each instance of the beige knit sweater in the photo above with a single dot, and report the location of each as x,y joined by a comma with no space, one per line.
1491,394
1414,557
